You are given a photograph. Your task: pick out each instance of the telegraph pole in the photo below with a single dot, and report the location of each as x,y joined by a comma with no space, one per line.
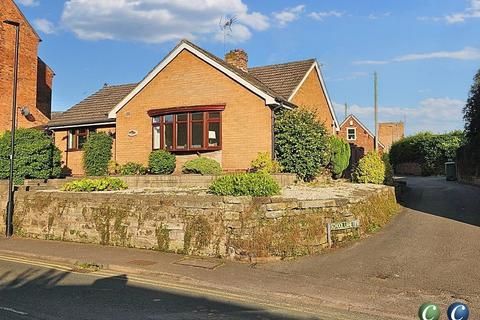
346,110
10,203
375,76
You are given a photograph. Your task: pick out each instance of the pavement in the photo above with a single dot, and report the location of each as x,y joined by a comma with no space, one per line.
427,253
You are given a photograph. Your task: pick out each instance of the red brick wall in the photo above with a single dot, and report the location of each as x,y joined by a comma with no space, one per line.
189,81
364,140
44,88
27,82
390,132
311,96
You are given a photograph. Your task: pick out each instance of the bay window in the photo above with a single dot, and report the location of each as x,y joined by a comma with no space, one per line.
187,129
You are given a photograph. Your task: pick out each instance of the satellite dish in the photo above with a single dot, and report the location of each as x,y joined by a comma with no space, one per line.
25,111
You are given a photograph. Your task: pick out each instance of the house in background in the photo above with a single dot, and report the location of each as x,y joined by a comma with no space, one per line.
361,139
390,132
34,78
194,103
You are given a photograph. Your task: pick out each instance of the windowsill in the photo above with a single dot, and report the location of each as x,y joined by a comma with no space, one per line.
74,150
192,150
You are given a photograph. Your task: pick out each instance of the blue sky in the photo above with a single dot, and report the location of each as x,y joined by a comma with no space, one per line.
426,52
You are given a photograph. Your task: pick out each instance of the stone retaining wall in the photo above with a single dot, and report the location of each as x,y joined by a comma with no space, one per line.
160,181
237,227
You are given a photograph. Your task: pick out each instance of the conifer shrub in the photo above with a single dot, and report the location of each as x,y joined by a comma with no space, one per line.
162,162
339,156
370,169
245,184
97,152
202,166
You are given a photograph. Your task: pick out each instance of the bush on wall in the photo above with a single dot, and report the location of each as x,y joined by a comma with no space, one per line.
301,143
202,166
264,163
90,185
97,154
161,162
429,150
36,156
245,184
339,155
133,168
370,169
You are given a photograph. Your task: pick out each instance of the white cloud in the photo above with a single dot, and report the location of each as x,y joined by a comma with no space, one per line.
351,76
372,62
433,114
288,15
467,53
373,16
320,16
29,3
156,21
472,12
44,26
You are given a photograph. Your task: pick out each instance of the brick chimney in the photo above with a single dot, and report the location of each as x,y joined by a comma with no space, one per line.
237,58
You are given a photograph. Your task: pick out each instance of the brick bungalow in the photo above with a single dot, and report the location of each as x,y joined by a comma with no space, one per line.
193,103
34,78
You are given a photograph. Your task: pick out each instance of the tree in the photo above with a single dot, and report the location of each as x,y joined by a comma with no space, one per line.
471,112
36,157
301,145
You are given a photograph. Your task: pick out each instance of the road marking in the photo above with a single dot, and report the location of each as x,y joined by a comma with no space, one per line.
14,311
102,274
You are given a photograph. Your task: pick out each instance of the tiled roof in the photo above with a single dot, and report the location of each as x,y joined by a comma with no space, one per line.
279,81
56,115
282,78
95,108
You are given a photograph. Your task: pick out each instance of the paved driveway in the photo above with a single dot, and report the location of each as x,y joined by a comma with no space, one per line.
431,251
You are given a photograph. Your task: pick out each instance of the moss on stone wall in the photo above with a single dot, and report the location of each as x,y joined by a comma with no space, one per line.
198,234
163,238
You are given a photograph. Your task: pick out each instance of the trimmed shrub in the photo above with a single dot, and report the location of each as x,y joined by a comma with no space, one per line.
202,166
97,152
245,184
133,168
36,156
339,156
162,162
388,170
90,185
301,143
429,150
370,169
114,167
264,164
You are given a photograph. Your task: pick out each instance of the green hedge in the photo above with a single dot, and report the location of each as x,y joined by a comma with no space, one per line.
36,156
90,185
245,184
388,170
97,152
161,162
370,169
202,166
429,150
133,168
339,155
301,143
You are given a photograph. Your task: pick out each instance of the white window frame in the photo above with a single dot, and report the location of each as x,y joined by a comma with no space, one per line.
354,133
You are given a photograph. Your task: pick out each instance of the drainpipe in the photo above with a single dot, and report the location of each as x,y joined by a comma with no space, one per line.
274,108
